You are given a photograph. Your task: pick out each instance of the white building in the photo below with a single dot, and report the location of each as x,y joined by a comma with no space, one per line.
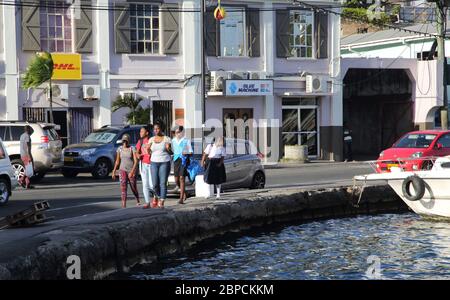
402,86
151,49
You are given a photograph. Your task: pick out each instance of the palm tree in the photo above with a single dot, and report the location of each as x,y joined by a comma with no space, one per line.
137,114
40,71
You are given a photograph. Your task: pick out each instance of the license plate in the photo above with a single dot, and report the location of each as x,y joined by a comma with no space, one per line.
68,159
389,166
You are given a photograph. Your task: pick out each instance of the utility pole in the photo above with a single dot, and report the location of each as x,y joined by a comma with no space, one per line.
441,7
203,66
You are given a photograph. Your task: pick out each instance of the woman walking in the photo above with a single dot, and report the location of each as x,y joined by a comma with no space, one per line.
213,158
160,150
182,150
126,163
143,156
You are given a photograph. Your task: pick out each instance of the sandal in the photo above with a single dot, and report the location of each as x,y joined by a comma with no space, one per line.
161,203
154,202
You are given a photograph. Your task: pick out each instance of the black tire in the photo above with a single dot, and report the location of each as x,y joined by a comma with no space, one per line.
427,165
258,181
69,173
418,185
5,191
38,176
102,169
19,167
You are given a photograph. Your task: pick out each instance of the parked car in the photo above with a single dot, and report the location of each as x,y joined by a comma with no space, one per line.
97,153
242,165
46,146
415,151
8,181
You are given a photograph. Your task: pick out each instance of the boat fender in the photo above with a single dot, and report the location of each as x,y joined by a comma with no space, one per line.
419,188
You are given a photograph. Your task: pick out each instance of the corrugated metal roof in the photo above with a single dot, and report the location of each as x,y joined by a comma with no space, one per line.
373,37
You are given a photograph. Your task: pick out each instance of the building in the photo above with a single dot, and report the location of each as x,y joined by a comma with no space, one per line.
272,66
392,84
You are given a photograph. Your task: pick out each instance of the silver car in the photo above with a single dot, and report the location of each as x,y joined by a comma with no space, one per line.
242,165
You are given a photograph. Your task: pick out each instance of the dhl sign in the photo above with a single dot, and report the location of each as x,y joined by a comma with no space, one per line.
66,66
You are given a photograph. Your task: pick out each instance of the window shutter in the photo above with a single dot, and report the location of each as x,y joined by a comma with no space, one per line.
31,33
122,28
212,34
83,29
321,34
253,33
170,28
282,20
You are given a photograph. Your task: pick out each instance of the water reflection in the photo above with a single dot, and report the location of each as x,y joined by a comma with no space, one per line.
408,247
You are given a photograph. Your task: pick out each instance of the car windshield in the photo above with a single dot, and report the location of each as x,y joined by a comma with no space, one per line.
416,140
103,137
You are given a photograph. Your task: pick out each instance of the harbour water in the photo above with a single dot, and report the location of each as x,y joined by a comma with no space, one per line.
391,246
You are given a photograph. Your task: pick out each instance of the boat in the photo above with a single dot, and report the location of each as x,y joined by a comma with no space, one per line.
426,192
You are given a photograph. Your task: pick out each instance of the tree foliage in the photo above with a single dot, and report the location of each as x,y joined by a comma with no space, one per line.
39,71
137,114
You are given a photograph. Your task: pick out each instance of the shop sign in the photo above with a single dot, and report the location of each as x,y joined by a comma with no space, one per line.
66,66
249,87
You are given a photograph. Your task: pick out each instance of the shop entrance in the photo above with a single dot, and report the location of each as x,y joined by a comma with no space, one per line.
60,118
236,123
163,112
299,117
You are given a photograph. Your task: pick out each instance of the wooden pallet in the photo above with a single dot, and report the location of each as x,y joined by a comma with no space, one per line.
30,216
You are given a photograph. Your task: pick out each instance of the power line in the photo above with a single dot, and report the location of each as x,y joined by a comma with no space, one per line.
183,10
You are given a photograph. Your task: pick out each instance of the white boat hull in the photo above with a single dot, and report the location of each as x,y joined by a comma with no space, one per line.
436,200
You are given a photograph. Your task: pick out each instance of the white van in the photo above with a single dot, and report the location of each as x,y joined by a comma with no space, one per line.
8,181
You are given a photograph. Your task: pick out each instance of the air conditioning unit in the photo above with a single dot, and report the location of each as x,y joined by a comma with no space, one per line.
91,92
59,91
254,75
218,80
316,84
238,75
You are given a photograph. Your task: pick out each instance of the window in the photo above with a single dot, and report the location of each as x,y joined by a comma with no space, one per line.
16,132
56,27
2,152
232,33
301,34
144,32
444,141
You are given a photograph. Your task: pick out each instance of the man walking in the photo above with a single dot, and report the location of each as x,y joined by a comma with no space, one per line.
348,143
144,157
26,157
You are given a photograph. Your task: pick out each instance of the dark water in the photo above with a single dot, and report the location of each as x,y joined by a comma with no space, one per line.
406,247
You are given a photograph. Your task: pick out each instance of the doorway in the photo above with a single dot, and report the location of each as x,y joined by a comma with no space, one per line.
163,112
60,118
237,123
299,119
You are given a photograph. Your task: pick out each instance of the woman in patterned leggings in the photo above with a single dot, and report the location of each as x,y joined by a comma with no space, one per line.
126,162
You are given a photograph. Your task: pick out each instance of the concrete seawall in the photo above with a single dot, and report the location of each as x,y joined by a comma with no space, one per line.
117,240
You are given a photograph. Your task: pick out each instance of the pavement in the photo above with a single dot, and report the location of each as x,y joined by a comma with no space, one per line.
84,195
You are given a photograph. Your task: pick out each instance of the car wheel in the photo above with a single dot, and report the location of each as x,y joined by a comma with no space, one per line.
427,165
38,176
101,169
69,173
259,180
4,191
19,168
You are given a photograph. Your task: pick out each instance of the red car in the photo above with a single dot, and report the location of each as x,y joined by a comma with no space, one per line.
414,151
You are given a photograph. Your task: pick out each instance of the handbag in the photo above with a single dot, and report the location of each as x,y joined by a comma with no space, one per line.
194,168
29,171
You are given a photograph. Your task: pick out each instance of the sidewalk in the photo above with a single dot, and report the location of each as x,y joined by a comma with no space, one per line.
312,163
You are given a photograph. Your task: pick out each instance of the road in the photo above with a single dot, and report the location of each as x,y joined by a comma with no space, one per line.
84,195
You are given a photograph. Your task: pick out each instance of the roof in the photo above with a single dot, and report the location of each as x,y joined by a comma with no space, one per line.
388,35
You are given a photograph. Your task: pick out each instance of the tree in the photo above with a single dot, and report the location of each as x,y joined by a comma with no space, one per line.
40,71
137,114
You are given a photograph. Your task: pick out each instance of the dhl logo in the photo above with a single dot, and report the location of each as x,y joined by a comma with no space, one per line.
64,67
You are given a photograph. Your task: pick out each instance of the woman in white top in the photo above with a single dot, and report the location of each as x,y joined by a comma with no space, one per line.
160,149
213,158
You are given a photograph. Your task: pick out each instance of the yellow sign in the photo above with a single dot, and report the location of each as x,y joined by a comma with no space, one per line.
66,66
